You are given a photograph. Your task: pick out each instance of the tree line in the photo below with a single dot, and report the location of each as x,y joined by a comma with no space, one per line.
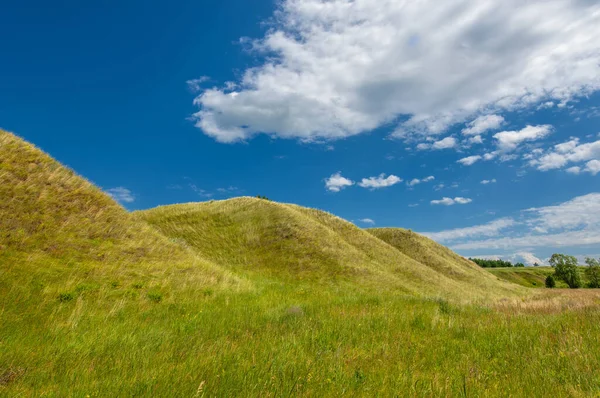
485,263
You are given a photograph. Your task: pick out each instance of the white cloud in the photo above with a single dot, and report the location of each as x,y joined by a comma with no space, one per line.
574,170
470,160
416,181
510,140
367,221
336,182
528,258
568,224
593,167
492,181
446,143
475,140
570,152
122,195
490,229
379,182
450,202
195,85
483,124
334,69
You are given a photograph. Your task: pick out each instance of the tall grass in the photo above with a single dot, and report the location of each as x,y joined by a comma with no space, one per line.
253,298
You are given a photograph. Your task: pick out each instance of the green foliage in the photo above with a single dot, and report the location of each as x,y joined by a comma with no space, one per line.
66,297
487,263
550,282
155,297
565,268
592,273
519,265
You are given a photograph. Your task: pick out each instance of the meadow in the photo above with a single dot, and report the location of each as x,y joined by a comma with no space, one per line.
249,297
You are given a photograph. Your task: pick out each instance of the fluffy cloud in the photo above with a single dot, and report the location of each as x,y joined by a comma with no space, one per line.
367,221
470,160
379,182
333,69
336,182
450,202
510,140
570,152
122,195
486,182
446,143
483,124
416,181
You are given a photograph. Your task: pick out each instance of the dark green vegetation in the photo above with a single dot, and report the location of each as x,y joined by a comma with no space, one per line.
256,298
487,263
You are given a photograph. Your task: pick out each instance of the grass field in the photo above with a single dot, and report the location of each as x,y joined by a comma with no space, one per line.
254,298
534,277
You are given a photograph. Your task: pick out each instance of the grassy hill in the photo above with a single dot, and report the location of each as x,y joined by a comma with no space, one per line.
51,216
248,297
289,242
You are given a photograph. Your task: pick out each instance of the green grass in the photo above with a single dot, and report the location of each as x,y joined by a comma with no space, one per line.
532,276
260,238
254,298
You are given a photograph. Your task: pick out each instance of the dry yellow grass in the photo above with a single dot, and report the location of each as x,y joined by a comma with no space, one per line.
56,225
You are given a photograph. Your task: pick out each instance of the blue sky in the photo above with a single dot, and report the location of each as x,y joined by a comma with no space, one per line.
384,113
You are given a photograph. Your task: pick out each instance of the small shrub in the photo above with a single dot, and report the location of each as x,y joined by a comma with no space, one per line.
65,297
155,297
550,282
138,285
114,284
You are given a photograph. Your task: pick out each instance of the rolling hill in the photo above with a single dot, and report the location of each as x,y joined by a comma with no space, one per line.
248,297
289,242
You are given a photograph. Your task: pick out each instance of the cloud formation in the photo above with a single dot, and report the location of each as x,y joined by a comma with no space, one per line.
334,69
379,182
121,195
483,124
570,152
569,224
336,182
451,202
416,181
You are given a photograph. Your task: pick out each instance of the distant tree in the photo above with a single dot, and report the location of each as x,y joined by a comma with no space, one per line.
486,263
520,265
550,282
536,264
565,268
593,272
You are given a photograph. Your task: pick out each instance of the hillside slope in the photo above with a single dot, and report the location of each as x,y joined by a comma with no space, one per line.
289,242
435,256
57,230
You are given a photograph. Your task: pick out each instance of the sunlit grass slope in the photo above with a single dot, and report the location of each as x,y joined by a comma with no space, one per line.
440,258
96,303
257,236
58,232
